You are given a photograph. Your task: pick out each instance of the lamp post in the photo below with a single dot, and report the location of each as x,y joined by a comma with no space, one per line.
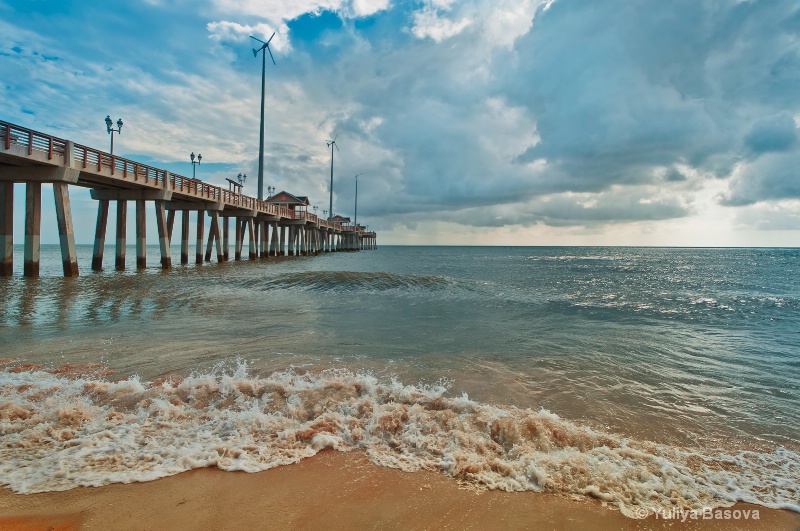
315,210
194,164
356,215
241,178
325,215
270,190
111,130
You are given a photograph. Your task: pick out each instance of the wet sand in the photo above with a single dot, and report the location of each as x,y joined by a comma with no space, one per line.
332,490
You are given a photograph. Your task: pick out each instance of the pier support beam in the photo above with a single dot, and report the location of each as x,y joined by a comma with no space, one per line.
225,238
185,237
237,249
141,235
264,239
275,238
252,238
215,229
122,229
164,233
6,229
214,236
170,224
33,225
201,216
66,234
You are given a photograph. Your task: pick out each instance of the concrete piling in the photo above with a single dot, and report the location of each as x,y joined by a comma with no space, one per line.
198,256
185,238
122,229
252,238
141,235
225,242
66,234
164,233
6,229
33,224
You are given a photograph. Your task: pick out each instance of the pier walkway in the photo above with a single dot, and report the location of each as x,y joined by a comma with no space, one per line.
33,158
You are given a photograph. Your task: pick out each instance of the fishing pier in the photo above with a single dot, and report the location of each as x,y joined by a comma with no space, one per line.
277,226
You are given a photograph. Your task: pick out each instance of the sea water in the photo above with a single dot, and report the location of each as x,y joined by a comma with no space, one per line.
644,377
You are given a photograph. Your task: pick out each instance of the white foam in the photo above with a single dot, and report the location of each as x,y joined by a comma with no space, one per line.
57,433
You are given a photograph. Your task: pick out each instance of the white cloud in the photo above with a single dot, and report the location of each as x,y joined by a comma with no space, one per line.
233,31
276,11
364,8
429,22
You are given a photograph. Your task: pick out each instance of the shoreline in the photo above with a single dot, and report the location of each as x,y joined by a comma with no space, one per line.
332,490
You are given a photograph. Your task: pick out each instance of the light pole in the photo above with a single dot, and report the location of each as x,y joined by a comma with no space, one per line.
325,215
315,210
194,164
111,130
356,216
241,178
270,190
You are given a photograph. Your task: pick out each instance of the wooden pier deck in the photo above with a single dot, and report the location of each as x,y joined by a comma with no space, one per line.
33,158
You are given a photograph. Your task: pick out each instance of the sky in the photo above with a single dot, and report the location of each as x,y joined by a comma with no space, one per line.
473,122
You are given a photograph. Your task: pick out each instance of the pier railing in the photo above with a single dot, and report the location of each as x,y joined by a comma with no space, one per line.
91,159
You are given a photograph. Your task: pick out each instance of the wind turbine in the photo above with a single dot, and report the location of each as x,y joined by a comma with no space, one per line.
356,221
263,87
332,143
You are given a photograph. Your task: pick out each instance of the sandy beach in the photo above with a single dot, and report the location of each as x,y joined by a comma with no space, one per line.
333,490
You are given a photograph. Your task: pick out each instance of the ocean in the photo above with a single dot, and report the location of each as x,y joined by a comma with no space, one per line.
654,378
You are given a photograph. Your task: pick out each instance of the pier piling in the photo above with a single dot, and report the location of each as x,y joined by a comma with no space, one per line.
66,234
141,235
122,227
33,224
6,229
164,233
185,238
200,232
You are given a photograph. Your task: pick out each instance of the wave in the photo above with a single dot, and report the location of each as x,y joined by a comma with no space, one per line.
346,281
59,430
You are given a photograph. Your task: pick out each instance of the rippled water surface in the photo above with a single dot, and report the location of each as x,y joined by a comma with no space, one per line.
689,348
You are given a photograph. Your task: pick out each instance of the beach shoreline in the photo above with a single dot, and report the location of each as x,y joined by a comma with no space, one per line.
332,490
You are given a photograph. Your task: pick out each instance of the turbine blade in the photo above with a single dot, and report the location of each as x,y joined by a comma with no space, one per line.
337,147
270,55
270,39
259,40
335,137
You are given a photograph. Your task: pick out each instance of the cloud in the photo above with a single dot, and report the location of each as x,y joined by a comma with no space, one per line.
429,22
474,113
778,133
365,8
224,31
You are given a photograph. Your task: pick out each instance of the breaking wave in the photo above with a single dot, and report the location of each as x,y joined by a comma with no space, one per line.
60,430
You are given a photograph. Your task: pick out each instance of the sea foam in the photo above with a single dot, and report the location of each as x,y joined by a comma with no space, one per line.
59,431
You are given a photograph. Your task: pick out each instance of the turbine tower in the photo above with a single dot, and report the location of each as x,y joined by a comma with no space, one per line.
264,49
356,221
331,143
